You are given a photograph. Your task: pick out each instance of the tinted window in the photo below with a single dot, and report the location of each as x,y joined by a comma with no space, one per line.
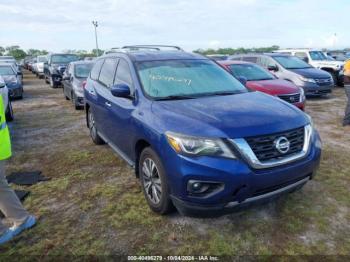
317,55
194,78
63,59
291,62
6,70
95,72
251,59
82,70
250,72
123,73
107,72
301,55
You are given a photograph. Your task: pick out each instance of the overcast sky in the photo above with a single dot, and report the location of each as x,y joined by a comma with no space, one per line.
56,25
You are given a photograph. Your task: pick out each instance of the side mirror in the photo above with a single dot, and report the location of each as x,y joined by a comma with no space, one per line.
273,68
19,73
120,90
2,84
305,59
243,80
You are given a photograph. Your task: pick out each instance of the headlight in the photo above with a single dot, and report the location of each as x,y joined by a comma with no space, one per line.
311,122
302,95
198,146
304,79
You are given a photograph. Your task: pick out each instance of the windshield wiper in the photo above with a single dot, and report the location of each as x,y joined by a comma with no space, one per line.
174,97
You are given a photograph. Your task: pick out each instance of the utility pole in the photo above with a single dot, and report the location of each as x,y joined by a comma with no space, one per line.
95,26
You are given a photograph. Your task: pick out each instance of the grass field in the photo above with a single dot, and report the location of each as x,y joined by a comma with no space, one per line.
93,204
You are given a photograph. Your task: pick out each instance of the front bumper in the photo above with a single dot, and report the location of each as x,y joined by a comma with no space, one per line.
15,92
56,78
242,185
317,90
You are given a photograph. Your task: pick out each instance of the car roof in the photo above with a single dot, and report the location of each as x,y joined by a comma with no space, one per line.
153,55
82,62
234,62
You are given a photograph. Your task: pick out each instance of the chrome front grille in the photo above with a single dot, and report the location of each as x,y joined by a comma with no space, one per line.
323,81
264,146
291,98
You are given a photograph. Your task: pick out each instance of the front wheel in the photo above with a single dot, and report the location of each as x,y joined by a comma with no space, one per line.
154,182
9,112
93,130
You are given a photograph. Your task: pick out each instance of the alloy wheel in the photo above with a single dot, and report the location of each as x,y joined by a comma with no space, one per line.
92,127
151,181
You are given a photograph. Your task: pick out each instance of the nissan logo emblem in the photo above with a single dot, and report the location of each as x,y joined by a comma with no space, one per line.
282,144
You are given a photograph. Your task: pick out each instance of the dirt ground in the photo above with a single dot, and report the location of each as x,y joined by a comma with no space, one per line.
93,204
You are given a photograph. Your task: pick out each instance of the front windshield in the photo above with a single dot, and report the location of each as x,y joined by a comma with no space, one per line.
6,70
291,62
82,70
317,56
41,59
250,72
63,59
191,78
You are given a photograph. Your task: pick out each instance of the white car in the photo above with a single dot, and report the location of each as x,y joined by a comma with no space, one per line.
7,103
317,59
38,66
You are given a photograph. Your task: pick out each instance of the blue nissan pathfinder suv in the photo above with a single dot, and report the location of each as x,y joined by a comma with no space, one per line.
197,138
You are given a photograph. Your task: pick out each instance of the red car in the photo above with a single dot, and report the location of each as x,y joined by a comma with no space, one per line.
259,79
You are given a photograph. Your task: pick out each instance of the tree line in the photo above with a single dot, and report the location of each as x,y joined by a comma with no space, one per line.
18,53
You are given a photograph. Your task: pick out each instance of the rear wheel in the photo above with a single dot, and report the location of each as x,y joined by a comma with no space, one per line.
9,112
154,182
93,130
75,101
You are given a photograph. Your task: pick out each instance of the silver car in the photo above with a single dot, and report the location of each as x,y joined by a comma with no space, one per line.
7,103
315,82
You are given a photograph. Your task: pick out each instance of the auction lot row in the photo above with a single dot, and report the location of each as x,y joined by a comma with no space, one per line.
93,195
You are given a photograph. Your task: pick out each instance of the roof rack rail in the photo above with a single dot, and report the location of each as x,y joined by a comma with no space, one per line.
153,47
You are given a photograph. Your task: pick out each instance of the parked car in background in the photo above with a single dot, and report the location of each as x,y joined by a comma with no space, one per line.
38,66
7,102
259,79
218,57
315,82
12,79
26,61
195,135
319,60
74,78
338,55
31,63
55,66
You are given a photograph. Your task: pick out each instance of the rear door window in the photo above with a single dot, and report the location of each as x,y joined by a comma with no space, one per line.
108,71
252,59
95,72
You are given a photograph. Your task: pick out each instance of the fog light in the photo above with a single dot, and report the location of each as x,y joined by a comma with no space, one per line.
203,188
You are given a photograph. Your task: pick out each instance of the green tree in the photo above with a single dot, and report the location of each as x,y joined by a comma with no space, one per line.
16,52
240,50
2,50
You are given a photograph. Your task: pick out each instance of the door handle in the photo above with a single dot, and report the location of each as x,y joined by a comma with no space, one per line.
108,104
92,92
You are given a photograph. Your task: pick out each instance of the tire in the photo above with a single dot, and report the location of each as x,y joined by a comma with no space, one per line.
334,77
93,130
9,113
46,81
154,182
75,103
52,84
64,93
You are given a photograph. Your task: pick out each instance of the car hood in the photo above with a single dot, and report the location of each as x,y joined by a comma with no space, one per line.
234,116
273,87
311,72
